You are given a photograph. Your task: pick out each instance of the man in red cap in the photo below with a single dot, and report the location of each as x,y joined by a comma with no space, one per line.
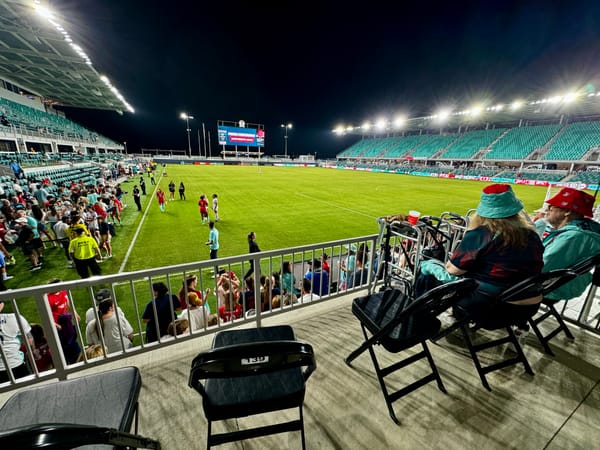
575,238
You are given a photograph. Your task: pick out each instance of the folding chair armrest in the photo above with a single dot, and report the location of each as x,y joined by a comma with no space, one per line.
65,436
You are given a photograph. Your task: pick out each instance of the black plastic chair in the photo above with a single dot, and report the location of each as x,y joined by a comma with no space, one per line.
580,269
251,372
47,417
398,322
504,315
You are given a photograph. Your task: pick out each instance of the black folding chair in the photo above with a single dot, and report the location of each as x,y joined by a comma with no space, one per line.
505,314
398,322
49,417
251,372
581,268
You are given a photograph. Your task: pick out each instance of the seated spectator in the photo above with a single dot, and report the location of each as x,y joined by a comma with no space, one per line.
288,280
319,279
248,298
166,305
40,349
574,239
499,249
307,295
360,275
189,286
117,333
228,296
178,327
196,314
93,351
10,334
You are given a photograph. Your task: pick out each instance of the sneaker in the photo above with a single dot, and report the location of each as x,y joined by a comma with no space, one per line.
108,256
34,268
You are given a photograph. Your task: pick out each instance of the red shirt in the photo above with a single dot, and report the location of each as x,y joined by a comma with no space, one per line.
161,197
59,303
203,205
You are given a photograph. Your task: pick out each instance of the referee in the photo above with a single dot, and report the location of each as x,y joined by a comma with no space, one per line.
83,250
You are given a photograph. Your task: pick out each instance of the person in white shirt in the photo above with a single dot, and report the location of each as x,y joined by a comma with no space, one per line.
307,295
10,338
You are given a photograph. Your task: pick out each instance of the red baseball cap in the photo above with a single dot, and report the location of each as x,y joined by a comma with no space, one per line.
577,201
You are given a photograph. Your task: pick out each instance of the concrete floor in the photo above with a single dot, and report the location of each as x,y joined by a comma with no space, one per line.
558,408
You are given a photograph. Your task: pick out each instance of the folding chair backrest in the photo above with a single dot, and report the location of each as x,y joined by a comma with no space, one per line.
537,285
586,265
251,359
439,299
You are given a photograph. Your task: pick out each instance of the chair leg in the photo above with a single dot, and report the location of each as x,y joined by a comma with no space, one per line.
209,437
561,322
434,368
540,337
302,428
562,326
519,350
475,358
384,390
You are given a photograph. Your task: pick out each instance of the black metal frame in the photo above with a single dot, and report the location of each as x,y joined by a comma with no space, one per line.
531,287
227,362
581,268
429,305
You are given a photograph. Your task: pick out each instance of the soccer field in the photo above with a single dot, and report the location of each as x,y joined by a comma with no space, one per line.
289,206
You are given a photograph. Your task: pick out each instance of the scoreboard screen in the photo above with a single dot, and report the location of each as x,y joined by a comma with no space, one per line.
241,136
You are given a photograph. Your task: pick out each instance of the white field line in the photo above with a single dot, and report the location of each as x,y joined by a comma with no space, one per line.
336,206
137,231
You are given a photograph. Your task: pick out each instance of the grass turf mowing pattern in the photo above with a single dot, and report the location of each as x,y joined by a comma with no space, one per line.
285,206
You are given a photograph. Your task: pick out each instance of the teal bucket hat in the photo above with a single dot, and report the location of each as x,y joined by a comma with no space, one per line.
498,201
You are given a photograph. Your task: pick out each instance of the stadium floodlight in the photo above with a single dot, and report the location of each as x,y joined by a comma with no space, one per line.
475,111
555,99
443,115
570,97
399,121
517,104
187,117
366,126
286,127
349,129
380,125
339,130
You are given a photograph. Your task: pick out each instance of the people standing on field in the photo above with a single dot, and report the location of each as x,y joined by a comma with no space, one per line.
136,198
215,206
252,248
142,185
171,191
213,242
160,196
181,191
203,204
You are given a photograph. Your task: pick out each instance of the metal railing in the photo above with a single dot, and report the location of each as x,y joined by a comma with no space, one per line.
132,291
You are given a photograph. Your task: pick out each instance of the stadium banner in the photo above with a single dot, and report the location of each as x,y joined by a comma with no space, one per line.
249,137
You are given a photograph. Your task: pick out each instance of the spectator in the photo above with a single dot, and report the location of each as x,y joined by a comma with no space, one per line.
252,248
26,241
248,299
360,275
196,314
181,192
178,327
499,249
84,250
574,239
10,334
159,312
189,286
40,349
117,333
319,278
347,264
288,280
171,190
142,185
105,236
307,295
228,295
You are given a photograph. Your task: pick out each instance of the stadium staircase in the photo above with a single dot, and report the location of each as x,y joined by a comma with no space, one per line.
470,143
519,143
576,140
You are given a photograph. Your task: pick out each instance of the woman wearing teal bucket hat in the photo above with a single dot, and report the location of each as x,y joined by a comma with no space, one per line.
500,249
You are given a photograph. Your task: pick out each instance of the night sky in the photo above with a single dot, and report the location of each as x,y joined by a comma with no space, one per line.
321,64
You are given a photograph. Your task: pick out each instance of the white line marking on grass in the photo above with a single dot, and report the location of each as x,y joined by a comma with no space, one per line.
337,206
137,231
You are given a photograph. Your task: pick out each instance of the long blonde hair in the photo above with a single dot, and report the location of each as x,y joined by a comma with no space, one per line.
513,231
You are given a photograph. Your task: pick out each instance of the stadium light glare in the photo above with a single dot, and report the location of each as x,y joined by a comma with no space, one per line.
399,121
380,124
185,116
286,127
517,104
366,126
555,99
349,129
339,130
44,11
570,97
475,111
443,115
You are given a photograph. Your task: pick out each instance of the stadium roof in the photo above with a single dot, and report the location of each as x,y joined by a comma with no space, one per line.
40,56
